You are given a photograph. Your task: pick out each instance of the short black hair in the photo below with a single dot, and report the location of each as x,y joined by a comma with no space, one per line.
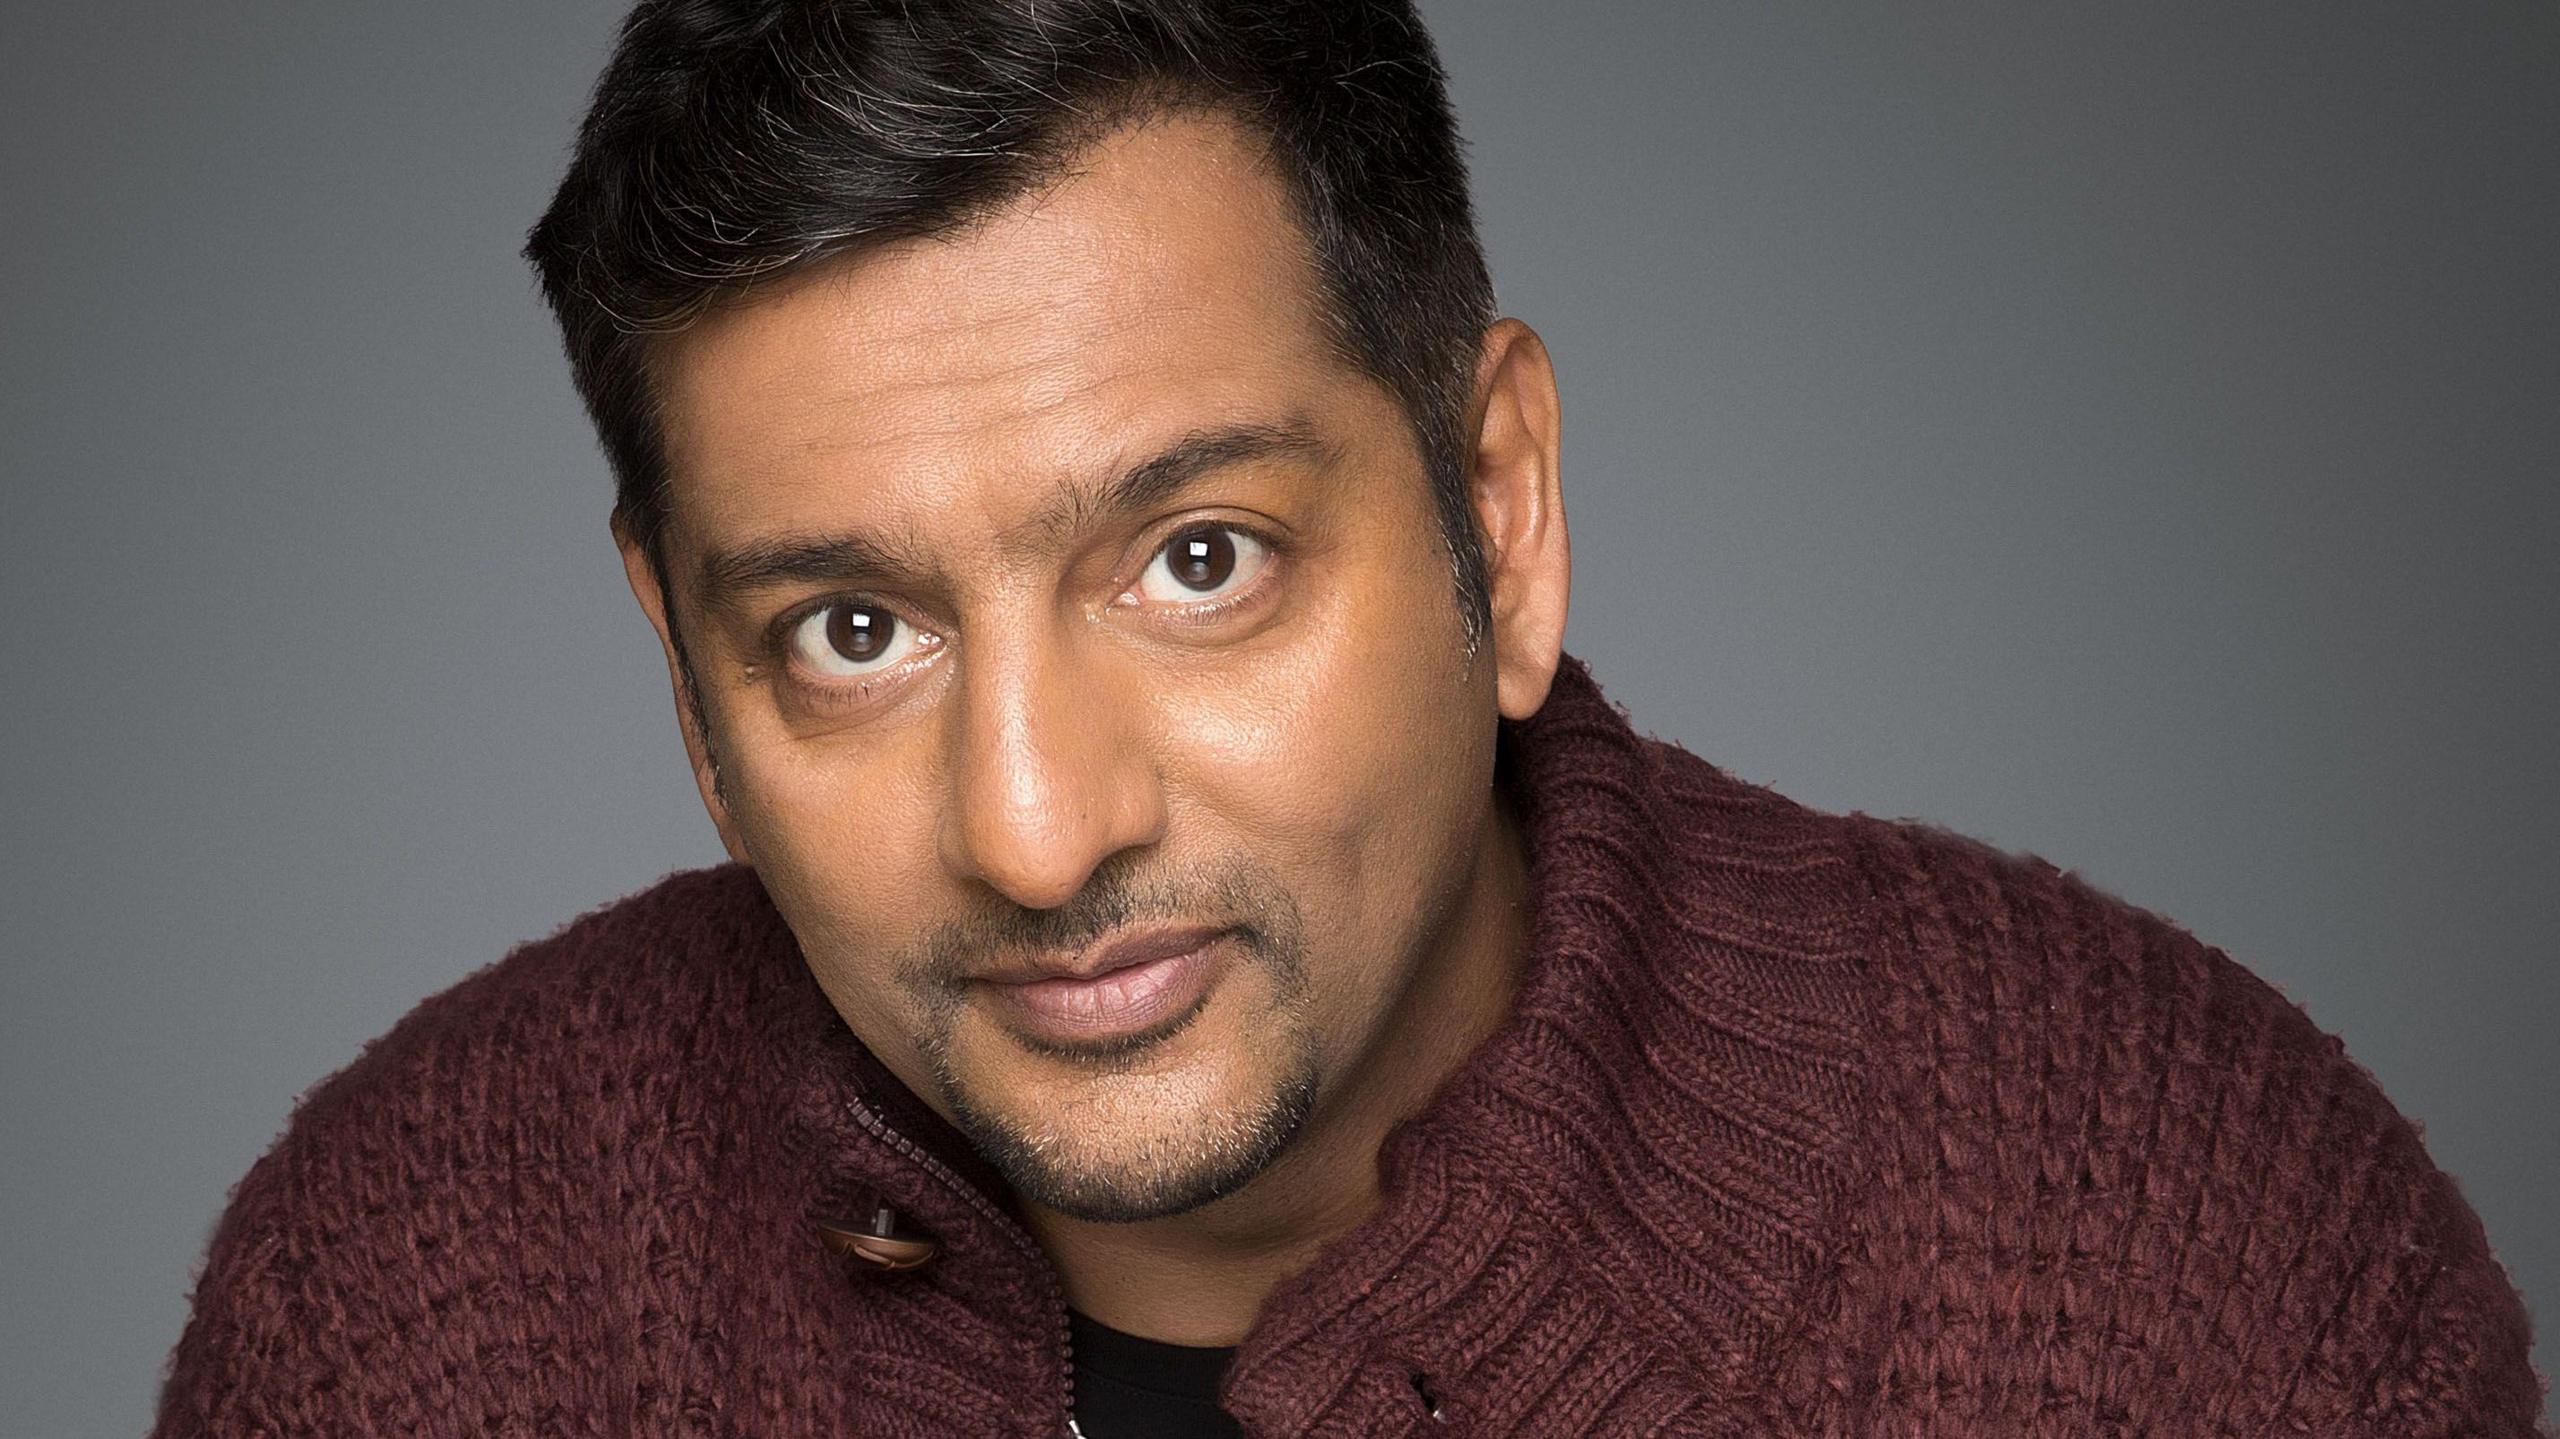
727,142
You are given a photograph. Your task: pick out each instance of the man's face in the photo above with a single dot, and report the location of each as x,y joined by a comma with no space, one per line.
1049,583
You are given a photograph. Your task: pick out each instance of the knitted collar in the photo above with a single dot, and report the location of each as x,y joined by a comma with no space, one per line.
1611,1214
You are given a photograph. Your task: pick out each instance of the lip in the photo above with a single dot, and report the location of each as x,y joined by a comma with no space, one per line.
1121,951
1125,989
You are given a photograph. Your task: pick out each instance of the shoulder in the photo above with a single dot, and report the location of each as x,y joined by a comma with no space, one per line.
2019,986
631,986
1971,935
590,1046
2135,1140
470,1185
559,1035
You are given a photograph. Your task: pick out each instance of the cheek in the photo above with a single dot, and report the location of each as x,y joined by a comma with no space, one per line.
1348,760
843,840
841,801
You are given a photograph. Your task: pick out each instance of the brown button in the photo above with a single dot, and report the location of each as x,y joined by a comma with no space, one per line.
879,1242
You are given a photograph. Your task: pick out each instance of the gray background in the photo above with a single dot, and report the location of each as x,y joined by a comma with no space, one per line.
2122,432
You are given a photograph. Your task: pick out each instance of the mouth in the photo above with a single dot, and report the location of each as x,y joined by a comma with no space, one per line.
1118,994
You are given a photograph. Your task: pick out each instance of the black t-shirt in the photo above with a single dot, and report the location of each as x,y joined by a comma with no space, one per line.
1133,1388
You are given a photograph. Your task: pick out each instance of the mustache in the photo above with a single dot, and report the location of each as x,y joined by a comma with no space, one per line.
1230,894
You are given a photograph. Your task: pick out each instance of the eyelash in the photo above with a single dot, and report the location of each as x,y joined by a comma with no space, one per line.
777,641
1207,611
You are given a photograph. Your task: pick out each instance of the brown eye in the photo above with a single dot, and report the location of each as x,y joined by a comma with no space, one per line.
1202,562
1202,559
851,638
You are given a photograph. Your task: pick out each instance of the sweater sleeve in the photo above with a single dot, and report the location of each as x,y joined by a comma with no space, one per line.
365,1278
2158,1195
2430,1339
2343,1266
2357,1282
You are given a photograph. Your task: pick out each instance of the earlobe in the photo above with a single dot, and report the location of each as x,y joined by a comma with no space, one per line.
645,587
1516,482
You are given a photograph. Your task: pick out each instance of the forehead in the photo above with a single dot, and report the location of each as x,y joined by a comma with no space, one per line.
1161,286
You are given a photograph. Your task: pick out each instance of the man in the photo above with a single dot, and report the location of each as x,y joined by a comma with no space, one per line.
1199,957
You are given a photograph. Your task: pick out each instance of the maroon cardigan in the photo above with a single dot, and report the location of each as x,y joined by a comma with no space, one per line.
1806,1124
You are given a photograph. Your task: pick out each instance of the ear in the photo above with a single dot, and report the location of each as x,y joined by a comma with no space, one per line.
689,718
1518,493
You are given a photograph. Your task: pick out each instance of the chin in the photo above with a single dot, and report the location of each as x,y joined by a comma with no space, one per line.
1096,1168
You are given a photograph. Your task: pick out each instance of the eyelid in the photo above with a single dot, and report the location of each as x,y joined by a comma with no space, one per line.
840,694
778,632
776,643
1274,548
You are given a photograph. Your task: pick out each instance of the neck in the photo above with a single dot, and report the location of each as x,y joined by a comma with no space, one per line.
1200,1277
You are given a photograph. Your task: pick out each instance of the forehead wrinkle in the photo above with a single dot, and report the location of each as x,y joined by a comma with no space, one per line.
1075,506
893,553
936,355
729,574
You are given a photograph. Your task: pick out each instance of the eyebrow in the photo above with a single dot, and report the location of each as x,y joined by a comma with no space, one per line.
731,574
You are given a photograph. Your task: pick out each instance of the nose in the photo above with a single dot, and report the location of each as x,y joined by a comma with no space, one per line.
1049,774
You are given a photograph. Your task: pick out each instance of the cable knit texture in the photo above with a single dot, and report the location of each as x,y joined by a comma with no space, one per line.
1806,1124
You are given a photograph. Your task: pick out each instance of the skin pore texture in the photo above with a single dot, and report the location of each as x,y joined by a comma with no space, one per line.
969,714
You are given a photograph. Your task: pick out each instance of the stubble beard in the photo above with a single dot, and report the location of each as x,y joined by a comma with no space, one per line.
1212,1155
1208,1154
